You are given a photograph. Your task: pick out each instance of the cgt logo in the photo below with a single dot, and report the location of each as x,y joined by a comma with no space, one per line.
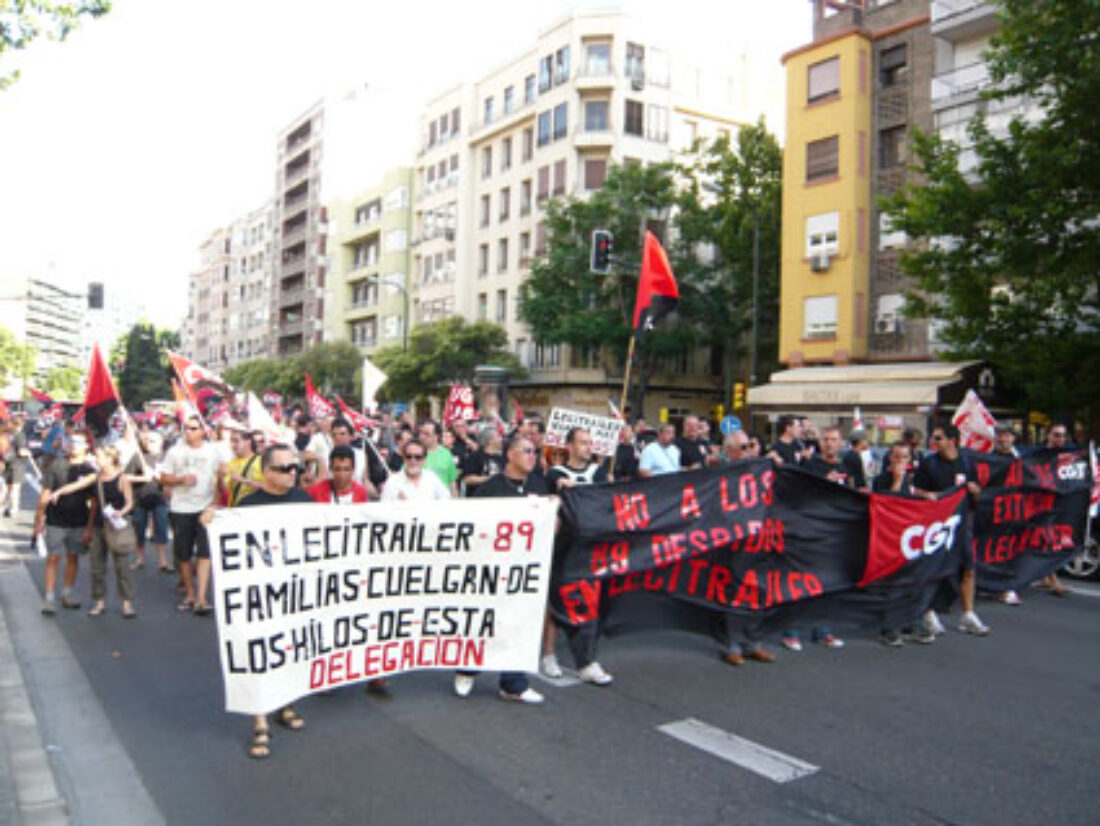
918,540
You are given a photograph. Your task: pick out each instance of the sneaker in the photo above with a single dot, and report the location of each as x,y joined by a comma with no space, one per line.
528,697
550,667
464,684
919,634
1010,598
891,638
933,624
49,607
970,624
792,643
69,602
830,641
594,673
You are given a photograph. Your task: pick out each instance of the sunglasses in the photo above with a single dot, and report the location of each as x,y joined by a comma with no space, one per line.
414,457
285,468
526,449
192,427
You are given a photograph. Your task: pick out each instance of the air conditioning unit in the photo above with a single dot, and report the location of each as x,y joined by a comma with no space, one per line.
819,262
888,323
637,81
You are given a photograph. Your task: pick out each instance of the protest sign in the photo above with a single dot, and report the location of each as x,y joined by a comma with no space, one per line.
604,430
309,597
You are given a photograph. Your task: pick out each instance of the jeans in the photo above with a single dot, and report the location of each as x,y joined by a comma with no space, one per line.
159,514
511,682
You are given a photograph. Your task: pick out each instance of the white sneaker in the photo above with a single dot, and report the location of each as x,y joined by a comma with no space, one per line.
464,684
528,697
933,624
594,673
1010,598
970,624
550,667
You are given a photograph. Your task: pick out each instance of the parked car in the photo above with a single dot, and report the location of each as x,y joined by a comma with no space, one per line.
1087,563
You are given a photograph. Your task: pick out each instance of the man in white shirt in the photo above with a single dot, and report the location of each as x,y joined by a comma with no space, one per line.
411,482
661,456
190,470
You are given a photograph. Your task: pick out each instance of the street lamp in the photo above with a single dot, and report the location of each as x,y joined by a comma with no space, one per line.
396,283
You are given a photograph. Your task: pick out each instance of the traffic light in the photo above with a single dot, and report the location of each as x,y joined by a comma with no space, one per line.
738,395
601,251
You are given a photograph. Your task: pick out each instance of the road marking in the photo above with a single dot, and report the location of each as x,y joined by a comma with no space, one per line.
774,765
567,679
1083,591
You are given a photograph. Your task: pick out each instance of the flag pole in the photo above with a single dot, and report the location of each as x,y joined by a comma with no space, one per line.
622,400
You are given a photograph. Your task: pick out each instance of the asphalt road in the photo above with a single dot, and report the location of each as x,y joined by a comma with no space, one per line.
968,731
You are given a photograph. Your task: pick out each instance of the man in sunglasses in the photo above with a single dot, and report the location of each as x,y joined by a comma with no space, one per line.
412,482
190,471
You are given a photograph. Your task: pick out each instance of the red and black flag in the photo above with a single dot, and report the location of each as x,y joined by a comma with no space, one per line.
101,398
658,294
38,395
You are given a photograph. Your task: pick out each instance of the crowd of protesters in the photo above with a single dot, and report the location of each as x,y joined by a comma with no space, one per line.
109,498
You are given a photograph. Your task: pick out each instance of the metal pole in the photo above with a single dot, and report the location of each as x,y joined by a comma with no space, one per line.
755,289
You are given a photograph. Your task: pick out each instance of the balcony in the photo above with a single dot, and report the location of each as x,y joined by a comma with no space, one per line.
295,205
296,235
296,175
959,85
292,298
963,19
593,139
291,328
595,77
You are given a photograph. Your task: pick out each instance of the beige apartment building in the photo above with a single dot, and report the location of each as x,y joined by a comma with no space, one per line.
594,89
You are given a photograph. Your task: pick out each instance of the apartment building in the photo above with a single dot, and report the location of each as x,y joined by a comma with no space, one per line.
370,291
229,296
47,314
594,89
853,95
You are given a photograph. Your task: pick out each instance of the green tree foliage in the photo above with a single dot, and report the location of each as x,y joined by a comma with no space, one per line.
16,359
441,353
143,373
1006,256
24,21
64,383
335,368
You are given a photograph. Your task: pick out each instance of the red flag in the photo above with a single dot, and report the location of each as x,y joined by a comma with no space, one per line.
184,406
38,395
358,420
319,407
519,411
101,398
5,414
460,405
975,423
658,294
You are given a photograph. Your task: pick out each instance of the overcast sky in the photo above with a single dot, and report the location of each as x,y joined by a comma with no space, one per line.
125,146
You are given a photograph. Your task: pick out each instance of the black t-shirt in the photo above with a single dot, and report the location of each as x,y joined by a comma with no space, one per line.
71,510
692,452
626,462
787,451
262,497
591,475
502,485
853,466
480,463
936,474
818,466
884,483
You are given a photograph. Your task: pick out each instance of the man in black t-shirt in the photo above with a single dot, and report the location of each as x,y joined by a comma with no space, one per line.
942,471
516,480
785,449
853,459
483,463
693,449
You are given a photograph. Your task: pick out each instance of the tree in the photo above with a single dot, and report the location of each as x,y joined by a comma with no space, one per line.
16,359
24,21
1005,255
335,368
64,382
143,374
441,353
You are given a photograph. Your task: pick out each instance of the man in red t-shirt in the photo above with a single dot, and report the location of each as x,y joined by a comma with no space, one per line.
340,488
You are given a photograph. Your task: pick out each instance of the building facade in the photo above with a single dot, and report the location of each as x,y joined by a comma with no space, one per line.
853,96
369,293
593,90
49,316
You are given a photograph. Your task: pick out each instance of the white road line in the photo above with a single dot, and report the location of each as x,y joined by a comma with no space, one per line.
774,765
1082,590
567,679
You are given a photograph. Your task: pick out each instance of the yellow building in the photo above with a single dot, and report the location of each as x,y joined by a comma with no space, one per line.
825,275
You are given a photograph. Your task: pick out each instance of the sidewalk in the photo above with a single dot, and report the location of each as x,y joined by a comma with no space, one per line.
60,759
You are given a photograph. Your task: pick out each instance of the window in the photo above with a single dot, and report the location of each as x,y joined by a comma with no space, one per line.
441,170
888,237
429,174
546,356
633,123
561,120
595,116
529,89
823,81
892,68
505,154
502,255
488,117
502,306
396,198
509,99
822,159
657,123
544,183
483,260
482,306
546,66
484,221
431,133
822,234
365,333
454,121
454,163
891,147
486,161
635,63
819,317
540,238
528,144
561,65
505,203
559,177
524,249
891,311
595,171
444,128
525,197
597,59
544,128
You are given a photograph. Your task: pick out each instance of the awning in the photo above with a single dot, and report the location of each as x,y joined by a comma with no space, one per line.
903,387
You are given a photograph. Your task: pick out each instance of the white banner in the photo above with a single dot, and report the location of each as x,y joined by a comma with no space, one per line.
604,430
309,597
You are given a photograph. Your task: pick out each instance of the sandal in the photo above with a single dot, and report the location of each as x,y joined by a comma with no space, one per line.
164,569
97,610
129,613
202,609
288,718
185,606
260,747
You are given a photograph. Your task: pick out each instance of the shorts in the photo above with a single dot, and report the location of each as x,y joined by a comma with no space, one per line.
188,537
158,515
64,540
